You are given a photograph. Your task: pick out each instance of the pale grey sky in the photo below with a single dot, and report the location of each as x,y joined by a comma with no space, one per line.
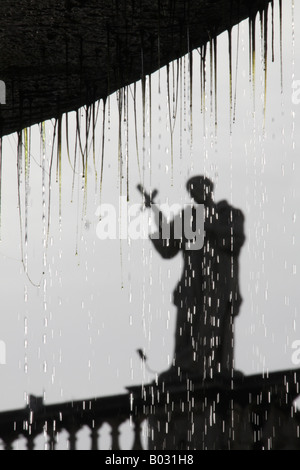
76,336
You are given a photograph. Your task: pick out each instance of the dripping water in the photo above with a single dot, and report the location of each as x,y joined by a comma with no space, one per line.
150,128
78,127
170,123
74,164
27,134
1,143
94,144
120,99
43,151
67,141
211,75
236,73
265,20
173,107
136,130
230,77
273,32
58,168
143,83
50,178
181,117
19,173
253,58
120,156
102,149
203,83
191,95
281,43
126,119
215,54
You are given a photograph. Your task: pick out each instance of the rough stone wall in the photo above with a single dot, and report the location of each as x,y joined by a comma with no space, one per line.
57,55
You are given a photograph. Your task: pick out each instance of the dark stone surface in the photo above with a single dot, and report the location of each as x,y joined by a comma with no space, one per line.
57,56
254,412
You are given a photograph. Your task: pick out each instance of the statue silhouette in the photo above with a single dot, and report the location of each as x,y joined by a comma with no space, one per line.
208,296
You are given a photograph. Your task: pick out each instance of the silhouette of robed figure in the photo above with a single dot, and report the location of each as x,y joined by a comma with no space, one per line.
207,296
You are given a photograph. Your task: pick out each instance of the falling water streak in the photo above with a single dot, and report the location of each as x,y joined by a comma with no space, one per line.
143,83
44,261
78,127
173,88
67,141
102,149
158,54
273,32
215,54
150,128
236,73
0,189
293,72
261,22
181,117
126,118
176,96
136,130
120,156
253,41
74,166
50,177
173,111
265,19
19,172
170,123
203,85
293,40
120,99
191,95
94,145
58,170
230,77
201,78
86,152
211,76
281,44
250,24
27,170
78,204
184,95
43,150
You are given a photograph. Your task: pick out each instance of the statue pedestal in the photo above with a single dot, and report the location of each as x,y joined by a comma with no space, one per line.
253,413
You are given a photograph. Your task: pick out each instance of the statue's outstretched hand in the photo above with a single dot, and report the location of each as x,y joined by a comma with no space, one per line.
148,198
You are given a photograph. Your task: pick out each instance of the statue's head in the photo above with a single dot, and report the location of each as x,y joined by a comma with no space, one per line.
200,189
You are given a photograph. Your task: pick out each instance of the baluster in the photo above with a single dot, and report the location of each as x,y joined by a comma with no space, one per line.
8,443
94,437
115,435
72,436
137,445
30,442
52,441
